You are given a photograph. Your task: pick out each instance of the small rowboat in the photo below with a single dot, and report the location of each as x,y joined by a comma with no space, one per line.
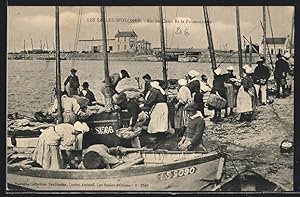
250,180
158,170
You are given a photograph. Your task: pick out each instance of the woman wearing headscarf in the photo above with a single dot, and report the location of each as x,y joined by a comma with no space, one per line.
183,97
55,144
246,97
218,88
156,100
70,108
194,86
230,80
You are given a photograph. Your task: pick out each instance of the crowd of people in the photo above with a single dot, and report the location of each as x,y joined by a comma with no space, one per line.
150,108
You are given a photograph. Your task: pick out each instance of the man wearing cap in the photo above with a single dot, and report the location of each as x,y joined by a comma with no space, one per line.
55,145
261,76
183,97
87,93
192,138
71,84
280,74
194,86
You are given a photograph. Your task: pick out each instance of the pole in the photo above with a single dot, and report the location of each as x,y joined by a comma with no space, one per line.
292,33
47,45
238,32
108,93
24,46
41,45
58,76
265,32
162,40
31,44
250,51
209,38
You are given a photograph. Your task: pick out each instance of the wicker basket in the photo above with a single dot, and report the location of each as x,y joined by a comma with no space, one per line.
216,101
124,133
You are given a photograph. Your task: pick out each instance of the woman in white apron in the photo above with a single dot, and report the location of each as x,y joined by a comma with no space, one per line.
157,102
183,96
246,97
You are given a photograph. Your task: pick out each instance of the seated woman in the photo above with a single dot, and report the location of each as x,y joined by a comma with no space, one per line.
55,144
192,138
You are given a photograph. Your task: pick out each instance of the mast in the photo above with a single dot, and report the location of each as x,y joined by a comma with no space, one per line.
162,40
209,38
58,76
31,44
292,32
238,33
265,32
47,45
24,45
250,51
41,45
108,93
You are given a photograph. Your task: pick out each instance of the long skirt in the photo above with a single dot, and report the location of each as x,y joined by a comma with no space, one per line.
230,95
180,118
70,117
159,119
245,102
47,152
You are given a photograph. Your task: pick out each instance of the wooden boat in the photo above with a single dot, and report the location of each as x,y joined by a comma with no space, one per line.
250,181
159,170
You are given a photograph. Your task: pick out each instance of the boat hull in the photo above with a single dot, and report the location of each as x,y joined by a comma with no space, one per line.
177,176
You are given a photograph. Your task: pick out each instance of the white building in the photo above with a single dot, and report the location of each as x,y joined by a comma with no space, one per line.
282,45
123,42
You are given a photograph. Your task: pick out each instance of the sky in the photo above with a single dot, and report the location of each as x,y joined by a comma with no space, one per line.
184,27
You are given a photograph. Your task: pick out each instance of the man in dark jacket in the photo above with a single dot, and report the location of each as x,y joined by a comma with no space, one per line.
73,82
261,76
87,93
280,74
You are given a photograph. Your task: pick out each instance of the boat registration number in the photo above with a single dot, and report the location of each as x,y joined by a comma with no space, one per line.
104,130
177,173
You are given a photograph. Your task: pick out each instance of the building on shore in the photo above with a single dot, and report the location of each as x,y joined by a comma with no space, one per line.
282,45
125,41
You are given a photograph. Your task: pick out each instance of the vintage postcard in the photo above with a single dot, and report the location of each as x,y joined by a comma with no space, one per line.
145,99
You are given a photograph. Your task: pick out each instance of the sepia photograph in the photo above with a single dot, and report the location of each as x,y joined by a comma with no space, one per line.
150,99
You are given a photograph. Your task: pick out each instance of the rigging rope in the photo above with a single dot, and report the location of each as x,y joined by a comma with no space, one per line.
271,27
77,33
166,33
174,28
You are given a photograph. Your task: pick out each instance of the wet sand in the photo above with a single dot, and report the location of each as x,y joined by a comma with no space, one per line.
256,145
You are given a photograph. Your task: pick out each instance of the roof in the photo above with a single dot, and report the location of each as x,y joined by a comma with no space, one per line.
275,40
126,34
